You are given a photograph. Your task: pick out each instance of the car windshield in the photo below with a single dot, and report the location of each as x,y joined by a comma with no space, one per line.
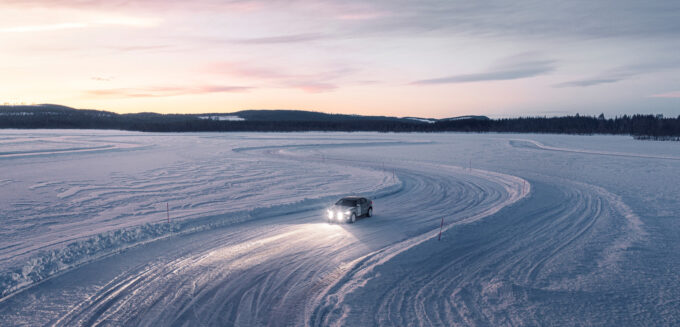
346,202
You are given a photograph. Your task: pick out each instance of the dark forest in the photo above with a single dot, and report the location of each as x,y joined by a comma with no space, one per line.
59,117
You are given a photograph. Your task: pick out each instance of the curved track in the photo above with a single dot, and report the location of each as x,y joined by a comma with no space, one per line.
272,271
547,259
499,271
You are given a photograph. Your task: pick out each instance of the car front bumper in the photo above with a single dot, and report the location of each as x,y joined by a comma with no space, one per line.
336,216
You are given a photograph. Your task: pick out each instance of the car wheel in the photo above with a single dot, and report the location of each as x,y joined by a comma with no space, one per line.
370,212
352,218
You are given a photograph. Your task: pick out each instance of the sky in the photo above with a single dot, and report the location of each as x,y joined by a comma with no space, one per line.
428,58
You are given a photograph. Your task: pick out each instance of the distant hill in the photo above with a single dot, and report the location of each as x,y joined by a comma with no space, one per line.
55,112
465,117
56,116
301,115
284,115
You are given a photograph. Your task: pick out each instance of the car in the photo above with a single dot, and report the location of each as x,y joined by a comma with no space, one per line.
349,208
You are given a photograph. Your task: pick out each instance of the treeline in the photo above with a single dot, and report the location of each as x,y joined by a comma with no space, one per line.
653,126
52,116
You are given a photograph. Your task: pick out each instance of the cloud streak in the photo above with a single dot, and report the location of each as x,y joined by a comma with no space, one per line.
623,73
138,48
166,91
590,82
508,69
672,95
293,38
98,21
315,82
102,78
41,28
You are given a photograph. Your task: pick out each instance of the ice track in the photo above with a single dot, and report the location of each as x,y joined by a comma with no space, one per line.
537,250
498,271
59,219
267,274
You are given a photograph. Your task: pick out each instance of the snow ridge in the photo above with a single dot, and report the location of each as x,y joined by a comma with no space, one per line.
328,308
56,261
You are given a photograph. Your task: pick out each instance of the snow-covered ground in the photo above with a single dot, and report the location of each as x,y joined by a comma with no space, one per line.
538,229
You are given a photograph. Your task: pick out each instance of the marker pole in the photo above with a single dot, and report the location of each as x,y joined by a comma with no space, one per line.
167,210
440,229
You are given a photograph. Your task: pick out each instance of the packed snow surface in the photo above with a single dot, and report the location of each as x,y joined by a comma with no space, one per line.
133,229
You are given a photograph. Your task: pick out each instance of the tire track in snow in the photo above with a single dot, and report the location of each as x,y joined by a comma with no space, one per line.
68,223
233,277
531,144
329,308
560,246
62,145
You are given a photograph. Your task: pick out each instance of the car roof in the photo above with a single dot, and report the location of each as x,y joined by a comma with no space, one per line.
352,198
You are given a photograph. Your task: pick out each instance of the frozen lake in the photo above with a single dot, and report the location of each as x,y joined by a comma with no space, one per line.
125,228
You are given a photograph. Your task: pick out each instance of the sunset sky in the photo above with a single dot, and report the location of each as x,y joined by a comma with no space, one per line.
398,58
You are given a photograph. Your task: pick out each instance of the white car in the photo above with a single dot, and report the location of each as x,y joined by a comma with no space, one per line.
348,209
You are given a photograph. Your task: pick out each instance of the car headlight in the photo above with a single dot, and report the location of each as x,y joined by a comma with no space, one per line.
339,215
330,214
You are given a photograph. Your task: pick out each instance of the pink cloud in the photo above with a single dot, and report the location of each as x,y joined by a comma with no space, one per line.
244,70
150,5
675,94
133,48
315,87
363,15
292,38
222,88
42,28
102,78
313,82
165,91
